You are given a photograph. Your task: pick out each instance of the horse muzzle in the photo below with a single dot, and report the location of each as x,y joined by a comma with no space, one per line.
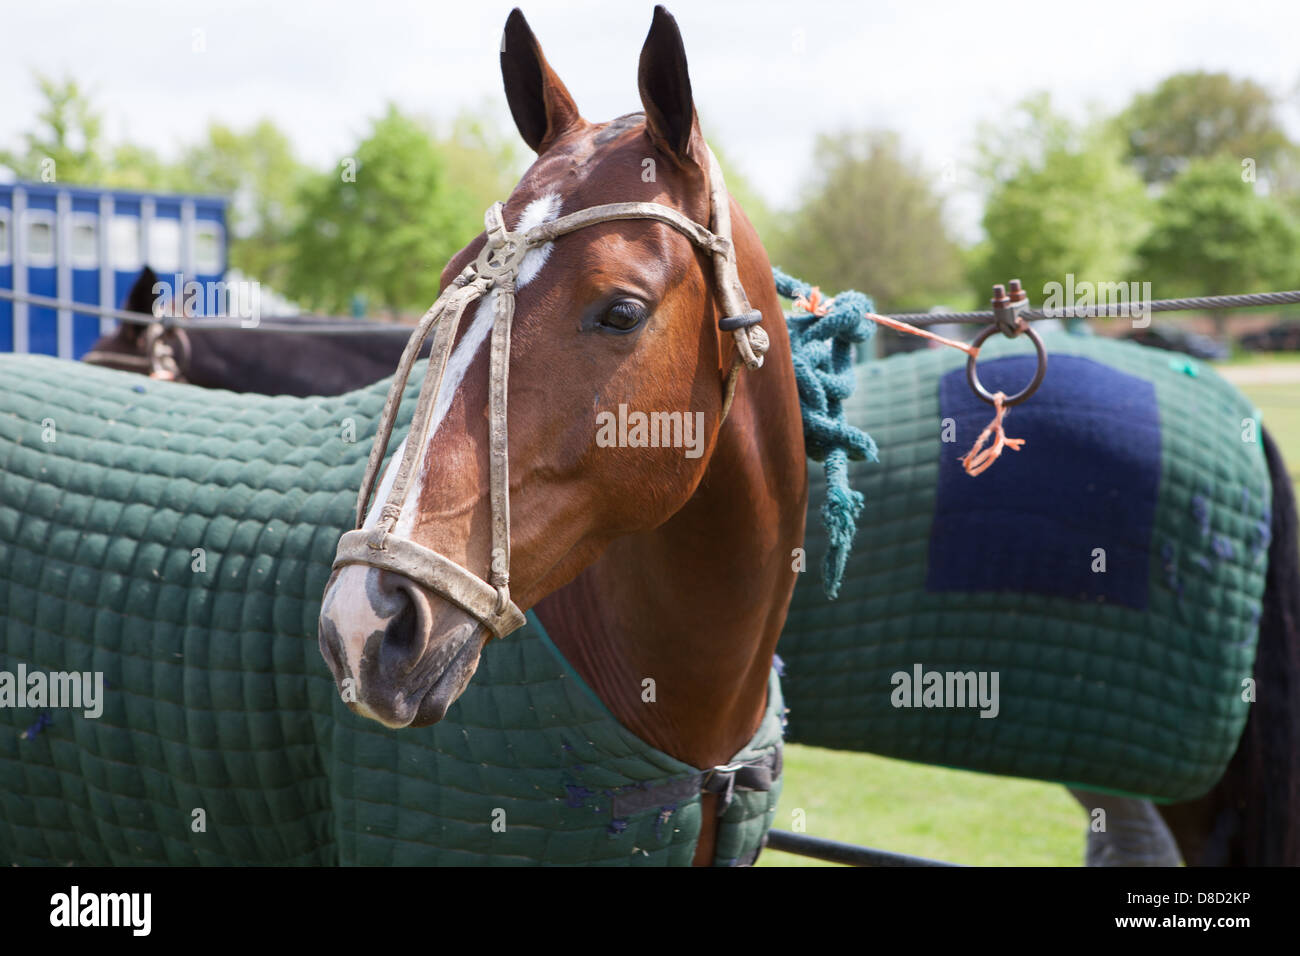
404,658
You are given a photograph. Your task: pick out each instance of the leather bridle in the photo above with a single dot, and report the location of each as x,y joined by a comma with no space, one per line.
166,354
496,268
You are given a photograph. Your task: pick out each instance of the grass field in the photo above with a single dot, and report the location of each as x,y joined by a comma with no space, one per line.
952,815
1279,407
927,811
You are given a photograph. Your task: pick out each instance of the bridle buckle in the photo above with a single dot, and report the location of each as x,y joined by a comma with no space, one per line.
503,252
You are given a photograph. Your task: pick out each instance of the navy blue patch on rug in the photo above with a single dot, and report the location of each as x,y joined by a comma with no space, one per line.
1087,478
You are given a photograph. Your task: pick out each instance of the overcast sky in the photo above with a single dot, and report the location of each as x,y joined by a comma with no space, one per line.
766,75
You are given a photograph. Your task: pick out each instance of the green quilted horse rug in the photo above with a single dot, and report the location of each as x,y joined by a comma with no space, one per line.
163,550
1112,607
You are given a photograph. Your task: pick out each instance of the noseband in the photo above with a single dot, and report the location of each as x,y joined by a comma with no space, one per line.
496,268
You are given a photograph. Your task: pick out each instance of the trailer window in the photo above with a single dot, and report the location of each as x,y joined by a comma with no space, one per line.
39,249
124,243
165,245
207,247
85,242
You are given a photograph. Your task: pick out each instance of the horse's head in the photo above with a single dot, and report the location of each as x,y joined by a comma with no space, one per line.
149,348
618,377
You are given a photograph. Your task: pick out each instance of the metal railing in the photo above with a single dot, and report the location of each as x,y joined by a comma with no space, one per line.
1205,303
314,324
846,853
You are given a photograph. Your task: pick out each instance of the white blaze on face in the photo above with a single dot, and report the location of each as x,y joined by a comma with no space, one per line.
346,604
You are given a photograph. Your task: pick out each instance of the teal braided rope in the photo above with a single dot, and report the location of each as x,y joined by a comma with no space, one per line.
822,348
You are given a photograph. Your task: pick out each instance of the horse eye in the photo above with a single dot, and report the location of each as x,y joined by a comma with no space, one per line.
623,315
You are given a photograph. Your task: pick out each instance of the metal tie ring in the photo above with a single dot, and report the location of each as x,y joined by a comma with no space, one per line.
972,376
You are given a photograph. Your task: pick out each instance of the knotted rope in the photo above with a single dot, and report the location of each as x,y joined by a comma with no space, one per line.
976,461
822,341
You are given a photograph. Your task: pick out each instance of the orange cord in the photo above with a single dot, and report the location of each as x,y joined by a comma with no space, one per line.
913,330
976,461
814,303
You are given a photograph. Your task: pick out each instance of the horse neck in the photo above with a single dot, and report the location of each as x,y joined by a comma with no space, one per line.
697,604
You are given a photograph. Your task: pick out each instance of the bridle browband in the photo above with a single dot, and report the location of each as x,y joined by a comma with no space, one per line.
497,267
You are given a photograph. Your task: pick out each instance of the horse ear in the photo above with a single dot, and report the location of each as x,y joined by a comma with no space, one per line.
665,85
141,296
139,299
542,107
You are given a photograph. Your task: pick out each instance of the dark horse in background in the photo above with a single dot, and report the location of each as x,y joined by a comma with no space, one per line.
268,362
1251,817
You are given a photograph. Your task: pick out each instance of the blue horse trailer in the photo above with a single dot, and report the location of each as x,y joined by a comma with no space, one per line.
86,245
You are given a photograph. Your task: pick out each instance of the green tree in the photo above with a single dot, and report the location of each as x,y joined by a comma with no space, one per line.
65,144
481,165
1196,115
129,166
1023,139
385,220
1214,235
257,170
760,213
1064,202
870,219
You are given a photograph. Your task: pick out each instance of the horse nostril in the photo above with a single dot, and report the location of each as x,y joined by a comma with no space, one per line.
334,655
331,646
403,641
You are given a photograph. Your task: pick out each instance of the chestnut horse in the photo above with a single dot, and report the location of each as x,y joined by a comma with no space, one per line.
644,564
